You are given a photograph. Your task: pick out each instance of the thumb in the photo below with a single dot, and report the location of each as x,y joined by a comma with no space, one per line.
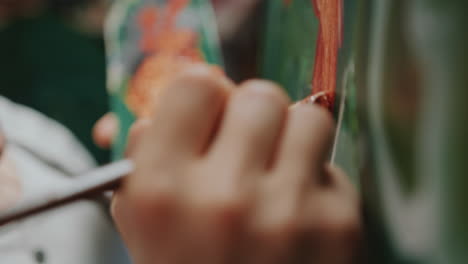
105,130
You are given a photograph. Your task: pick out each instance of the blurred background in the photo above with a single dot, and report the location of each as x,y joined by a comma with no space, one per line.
52,59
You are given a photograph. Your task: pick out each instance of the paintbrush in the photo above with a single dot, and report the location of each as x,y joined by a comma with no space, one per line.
89,185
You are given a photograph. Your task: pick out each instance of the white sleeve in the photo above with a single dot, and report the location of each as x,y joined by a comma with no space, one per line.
44,137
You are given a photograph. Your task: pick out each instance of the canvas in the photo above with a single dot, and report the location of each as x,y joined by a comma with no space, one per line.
412,81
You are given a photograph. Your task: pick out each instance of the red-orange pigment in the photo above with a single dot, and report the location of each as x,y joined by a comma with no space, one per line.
329,41
169,49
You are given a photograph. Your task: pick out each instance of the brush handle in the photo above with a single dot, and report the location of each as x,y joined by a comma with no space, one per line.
96,182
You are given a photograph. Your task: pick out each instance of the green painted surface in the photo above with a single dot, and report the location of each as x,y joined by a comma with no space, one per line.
413,83
288,51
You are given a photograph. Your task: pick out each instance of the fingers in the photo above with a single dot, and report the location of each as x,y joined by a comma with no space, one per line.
105,130
332,224
221,177
187,114
276,225
297,224
244,145
182,127
251,127
177,136
306,144
342,182
217,203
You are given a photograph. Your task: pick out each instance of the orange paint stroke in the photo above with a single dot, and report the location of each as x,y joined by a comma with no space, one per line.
329,41
330,38
168,50
146,21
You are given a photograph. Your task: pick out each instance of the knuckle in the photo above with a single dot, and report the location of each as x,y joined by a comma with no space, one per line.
197,72
316,113
339,226
152,200
228,206
200,81
135,135
278,231
267,89
138,127
225,212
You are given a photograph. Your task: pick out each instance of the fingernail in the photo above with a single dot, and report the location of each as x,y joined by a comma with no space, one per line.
323,98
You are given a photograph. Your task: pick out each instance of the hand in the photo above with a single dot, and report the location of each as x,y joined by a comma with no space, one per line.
106,128
228,175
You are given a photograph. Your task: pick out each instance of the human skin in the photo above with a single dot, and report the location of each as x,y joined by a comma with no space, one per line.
235,176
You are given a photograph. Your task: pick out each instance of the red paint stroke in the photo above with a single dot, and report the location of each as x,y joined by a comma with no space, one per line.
329,41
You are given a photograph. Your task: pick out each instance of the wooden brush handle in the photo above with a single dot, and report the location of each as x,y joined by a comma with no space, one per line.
91,184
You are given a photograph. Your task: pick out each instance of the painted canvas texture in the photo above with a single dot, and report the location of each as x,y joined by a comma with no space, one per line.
308,48
411,79
303,45
148,41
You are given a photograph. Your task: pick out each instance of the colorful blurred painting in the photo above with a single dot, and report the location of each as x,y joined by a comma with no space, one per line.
308,49
304,45
147,43
392,72
412,79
